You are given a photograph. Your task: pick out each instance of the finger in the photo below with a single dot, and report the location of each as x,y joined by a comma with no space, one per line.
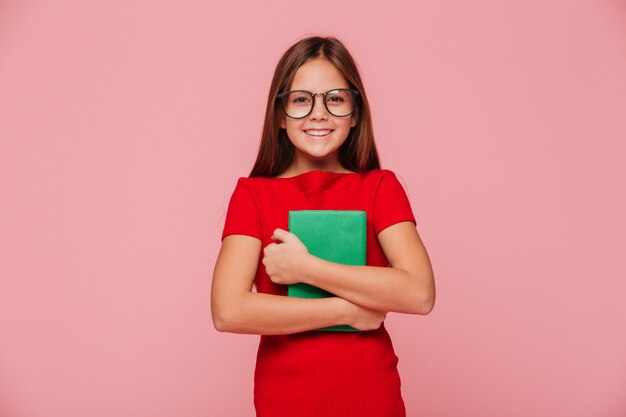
280,234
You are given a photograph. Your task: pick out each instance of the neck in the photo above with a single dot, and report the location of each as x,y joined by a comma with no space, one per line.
299,165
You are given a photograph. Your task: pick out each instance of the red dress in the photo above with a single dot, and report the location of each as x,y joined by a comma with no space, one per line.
322,373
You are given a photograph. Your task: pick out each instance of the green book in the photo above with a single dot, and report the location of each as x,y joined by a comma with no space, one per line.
334,235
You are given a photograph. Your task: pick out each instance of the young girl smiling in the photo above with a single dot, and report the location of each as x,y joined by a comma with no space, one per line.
317,152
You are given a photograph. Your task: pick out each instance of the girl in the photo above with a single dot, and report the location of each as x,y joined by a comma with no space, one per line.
317,152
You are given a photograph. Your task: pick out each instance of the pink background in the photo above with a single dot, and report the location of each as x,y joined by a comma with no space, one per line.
125,126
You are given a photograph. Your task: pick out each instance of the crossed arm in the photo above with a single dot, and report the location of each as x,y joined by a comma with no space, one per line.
406,286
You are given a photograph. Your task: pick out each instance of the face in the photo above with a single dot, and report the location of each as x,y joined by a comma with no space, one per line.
317,76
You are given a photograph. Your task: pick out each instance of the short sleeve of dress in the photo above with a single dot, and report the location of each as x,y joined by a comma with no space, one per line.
242,217
391,204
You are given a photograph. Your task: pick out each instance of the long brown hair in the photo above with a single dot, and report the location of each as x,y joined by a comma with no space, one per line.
276,152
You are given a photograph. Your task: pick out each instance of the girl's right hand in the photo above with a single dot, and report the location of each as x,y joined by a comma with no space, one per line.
362,318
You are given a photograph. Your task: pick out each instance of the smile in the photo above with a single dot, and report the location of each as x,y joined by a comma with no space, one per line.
318,133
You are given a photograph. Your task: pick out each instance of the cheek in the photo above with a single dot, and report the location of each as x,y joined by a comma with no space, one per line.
346,125
291,129
293,126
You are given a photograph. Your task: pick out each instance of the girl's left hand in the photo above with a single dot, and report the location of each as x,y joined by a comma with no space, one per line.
283,260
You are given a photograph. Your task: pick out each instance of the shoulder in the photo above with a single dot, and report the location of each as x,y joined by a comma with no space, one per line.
242,183
248,182
384,176
252,180
256,186
379,174
244,187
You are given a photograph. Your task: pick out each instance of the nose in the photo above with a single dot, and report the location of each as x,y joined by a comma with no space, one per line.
319,110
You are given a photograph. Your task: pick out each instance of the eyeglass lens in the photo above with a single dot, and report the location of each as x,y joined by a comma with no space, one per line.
299,103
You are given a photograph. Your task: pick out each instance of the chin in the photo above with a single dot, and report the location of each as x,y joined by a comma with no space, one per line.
318,156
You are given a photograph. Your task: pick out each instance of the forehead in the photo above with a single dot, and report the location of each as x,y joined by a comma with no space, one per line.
318,75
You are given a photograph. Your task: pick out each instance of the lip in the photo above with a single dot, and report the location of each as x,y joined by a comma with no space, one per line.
317,130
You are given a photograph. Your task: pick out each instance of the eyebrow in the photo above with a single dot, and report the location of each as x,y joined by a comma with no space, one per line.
325,91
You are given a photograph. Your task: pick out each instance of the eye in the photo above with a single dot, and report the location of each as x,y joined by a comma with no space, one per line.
337,97
299,98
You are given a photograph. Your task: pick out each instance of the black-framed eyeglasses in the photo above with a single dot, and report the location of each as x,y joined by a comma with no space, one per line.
339,102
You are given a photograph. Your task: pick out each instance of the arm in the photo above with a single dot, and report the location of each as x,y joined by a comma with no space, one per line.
407,287
235,308
388,289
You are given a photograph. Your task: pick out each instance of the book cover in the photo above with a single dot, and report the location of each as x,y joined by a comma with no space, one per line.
334,235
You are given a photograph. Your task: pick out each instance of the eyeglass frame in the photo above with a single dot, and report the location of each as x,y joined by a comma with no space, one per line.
280,96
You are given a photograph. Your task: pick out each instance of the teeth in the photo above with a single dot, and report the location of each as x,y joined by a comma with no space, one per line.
318,132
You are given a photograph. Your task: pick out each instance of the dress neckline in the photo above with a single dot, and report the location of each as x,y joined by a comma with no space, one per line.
316,180
317,172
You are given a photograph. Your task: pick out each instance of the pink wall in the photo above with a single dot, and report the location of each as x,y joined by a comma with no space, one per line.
125,126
